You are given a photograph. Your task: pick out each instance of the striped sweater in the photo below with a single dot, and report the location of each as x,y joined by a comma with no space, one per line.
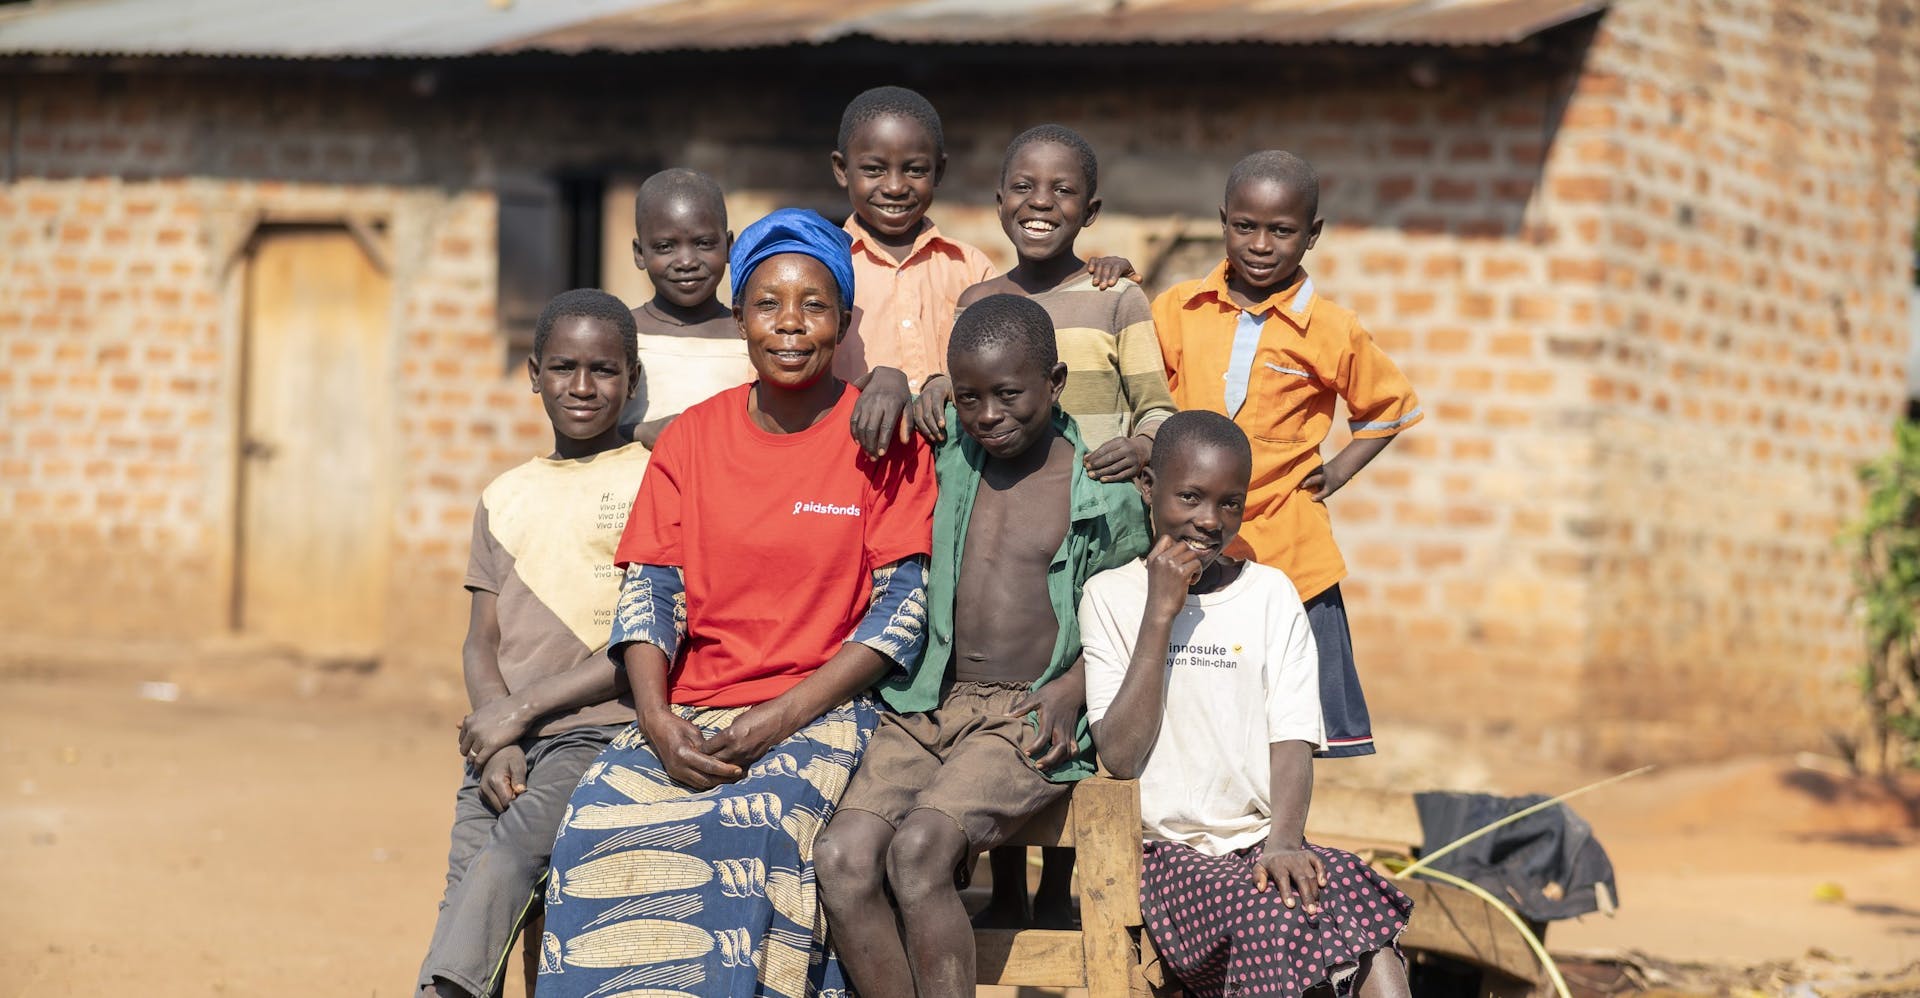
1116,380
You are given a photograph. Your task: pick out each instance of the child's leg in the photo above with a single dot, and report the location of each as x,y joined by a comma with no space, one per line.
850,860
850,854
985,790
1008,907
1053,901
921,863
473,823
484,911
1342,704
1382,974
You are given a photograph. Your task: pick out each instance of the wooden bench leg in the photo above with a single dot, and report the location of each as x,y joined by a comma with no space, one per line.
530,947
1106,820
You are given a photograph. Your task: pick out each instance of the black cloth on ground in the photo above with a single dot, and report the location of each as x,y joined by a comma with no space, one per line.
1547,865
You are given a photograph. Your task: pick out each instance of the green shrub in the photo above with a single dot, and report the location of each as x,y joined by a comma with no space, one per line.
1888,571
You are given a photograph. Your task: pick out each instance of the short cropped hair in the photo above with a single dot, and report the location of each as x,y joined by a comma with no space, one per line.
891,102
1191,429
588,303
1001,320
1281,167
1059,135
681,184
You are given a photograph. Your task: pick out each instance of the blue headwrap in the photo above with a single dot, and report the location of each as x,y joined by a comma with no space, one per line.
793,230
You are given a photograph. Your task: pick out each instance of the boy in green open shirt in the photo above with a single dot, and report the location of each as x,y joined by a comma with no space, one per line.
961,766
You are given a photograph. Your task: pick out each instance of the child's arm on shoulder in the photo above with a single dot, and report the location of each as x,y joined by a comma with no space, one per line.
1381,403
638,429
1108,271
1286,861
880,410
647,432
1131,724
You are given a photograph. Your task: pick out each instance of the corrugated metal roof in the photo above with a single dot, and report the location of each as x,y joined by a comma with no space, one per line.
399,28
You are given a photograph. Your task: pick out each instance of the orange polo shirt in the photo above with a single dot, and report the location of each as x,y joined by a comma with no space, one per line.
903,312
1308,350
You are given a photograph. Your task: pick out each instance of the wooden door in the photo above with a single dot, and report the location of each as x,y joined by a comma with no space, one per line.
315,498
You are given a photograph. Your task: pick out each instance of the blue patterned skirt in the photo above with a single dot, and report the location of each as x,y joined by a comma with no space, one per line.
657,889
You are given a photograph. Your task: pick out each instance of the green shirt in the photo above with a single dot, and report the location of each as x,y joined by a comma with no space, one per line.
1107,529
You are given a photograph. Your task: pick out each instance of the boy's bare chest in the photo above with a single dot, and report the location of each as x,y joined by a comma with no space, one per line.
1019,526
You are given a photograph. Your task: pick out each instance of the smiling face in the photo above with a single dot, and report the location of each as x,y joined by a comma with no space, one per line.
1045,200
1198,498
1004,399
889,170
682,245
1269,229
582,376
790,316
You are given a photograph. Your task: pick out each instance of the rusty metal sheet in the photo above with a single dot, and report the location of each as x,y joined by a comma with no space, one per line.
430,28
700,24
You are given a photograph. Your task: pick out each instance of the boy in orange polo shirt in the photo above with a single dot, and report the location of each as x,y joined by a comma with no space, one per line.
1254,341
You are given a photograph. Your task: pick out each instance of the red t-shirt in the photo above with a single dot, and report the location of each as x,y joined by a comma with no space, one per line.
777,536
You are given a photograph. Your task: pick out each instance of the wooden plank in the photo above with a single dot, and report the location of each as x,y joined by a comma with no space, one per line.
1362,814
1453,923
1032,957
1106,826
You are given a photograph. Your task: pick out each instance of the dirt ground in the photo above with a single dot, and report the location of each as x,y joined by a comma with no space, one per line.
249,837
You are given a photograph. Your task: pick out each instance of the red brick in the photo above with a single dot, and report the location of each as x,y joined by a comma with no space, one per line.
1396,189
1501,268
1512,345
1575,270
1413,304
1473,150
1532,308
1450,190
1583,189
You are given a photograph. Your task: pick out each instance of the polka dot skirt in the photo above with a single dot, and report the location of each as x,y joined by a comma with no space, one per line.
1218,936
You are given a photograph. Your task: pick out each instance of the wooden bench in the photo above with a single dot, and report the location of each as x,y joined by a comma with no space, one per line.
1112,957
1100,821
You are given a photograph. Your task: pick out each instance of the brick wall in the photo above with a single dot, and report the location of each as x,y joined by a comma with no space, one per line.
1652,332
1751,167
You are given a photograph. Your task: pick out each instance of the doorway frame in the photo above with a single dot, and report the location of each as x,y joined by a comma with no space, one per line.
234,235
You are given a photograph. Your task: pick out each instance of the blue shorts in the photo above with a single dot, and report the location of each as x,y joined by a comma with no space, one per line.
1342,705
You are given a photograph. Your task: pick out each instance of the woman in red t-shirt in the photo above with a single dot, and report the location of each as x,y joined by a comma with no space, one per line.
774,573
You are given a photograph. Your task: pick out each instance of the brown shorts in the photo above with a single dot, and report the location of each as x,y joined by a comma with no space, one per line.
962,759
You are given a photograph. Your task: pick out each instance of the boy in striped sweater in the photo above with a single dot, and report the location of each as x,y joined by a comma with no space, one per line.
1116,386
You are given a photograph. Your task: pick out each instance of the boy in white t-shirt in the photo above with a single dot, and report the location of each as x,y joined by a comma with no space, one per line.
1202,681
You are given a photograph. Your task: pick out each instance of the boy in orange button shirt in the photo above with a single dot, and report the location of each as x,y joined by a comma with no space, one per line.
889,158
1253,340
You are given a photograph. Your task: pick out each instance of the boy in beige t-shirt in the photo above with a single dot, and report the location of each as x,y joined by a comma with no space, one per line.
544,587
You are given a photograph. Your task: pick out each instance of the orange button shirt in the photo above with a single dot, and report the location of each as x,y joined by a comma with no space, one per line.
903,311
1308,351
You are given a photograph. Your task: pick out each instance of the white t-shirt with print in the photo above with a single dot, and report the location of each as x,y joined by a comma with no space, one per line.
1242,673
